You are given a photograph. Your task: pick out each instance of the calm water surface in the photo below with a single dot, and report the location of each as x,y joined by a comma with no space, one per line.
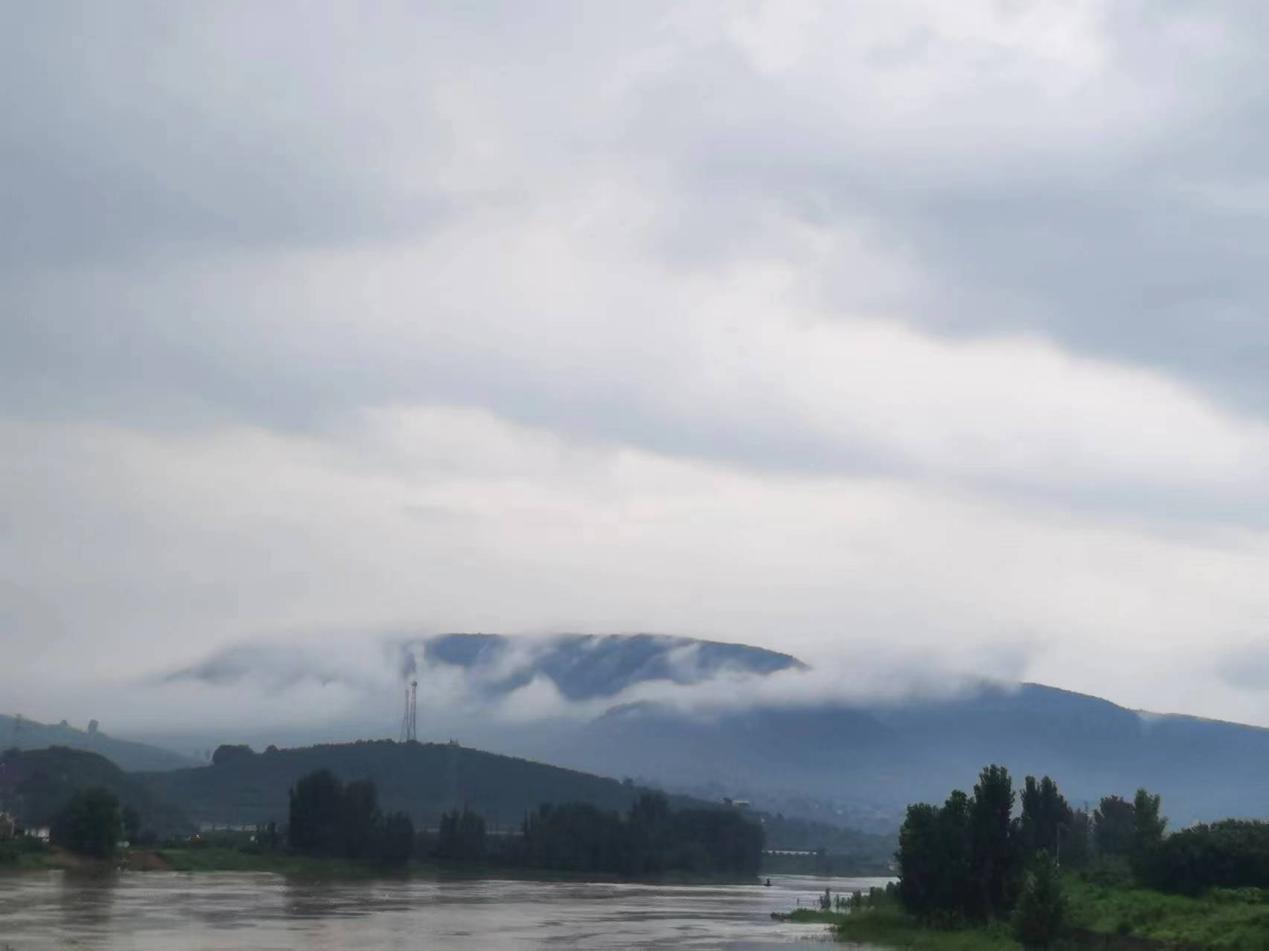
238,911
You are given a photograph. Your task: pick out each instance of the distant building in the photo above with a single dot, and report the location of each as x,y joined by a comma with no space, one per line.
38,832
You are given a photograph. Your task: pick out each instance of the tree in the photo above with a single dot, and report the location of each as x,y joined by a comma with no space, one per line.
1114,826
359,818
1045,816
991,845
396,843
919,859
1147,833
228,753
1148,825
131,824
1233,853
1041,913
461,837
89,824
1076,844
316,814
934,860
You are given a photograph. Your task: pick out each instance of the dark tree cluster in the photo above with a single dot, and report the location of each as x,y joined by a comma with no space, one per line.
962,860
461,837
91,823
1229,854
649,841
971,859
329,818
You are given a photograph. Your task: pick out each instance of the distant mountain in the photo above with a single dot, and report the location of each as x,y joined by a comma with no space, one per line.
23,734
875,760
36,784
587,666
610,705
864,762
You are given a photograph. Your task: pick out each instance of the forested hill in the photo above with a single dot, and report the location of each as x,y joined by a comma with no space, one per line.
36,784
23,734
422,780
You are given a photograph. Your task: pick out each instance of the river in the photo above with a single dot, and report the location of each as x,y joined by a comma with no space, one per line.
231,911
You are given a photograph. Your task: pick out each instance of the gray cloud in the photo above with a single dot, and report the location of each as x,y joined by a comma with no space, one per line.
815,323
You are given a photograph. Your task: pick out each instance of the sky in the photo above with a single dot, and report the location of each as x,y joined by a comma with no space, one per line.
855,330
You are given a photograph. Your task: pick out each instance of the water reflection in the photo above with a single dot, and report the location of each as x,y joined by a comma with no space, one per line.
230,911
84,901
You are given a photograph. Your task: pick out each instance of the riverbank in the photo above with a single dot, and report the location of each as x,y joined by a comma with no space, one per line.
1101,916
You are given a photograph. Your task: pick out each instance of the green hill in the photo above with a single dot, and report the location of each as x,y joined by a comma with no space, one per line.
35,784
23,734
420,779
423,780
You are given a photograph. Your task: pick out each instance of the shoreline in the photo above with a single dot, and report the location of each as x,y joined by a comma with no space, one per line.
1110,917
212,860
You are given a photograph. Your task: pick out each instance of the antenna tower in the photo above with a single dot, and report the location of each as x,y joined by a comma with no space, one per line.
409,722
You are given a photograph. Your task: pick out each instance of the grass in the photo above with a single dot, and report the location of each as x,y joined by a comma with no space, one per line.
887,925
1223,918
26,855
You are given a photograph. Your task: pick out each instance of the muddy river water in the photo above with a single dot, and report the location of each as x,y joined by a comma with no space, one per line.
232,911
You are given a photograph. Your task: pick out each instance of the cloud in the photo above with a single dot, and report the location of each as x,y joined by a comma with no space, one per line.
830,327
512,685
1245,668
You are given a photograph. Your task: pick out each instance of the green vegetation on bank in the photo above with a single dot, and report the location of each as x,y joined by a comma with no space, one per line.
971,874
1220,918
24,853
1097,913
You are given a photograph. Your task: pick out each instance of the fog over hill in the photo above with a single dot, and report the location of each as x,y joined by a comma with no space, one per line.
851,744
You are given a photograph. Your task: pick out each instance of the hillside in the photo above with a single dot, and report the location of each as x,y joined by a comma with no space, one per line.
420,779
23,734
876,758
35,784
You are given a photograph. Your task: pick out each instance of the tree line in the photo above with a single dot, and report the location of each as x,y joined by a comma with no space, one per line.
330,818
972,859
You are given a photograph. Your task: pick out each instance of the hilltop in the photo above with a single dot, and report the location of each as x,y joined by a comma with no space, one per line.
23,734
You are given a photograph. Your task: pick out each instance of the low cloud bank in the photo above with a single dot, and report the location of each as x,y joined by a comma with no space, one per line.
527,680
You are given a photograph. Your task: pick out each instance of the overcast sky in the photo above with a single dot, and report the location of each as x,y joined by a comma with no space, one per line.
847,329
